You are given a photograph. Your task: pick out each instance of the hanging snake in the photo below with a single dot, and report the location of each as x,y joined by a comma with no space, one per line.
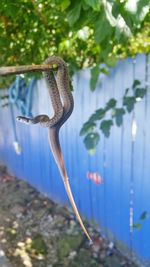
62,103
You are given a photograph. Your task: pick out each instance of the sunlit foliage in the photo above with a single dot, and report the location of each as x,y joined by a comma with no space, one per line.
84,32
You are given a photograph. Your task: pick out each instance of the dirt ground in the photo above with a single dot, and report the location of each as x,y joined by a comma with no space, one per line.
36,232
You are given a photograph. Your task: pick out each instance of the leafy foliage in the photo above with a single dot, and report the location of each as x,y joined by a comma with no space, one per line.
135,84
118,115
129,102
85,33
111,104
114,113
87,127
99,114
143,217
140,93
91,140
95,71
105,127
137,226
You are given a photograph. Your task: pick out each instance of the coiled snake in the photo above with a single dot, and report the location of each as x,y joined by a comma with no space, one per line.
62,103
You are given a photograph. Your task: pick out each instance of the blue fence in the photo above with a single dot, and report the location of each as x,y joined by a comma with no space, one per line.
122,160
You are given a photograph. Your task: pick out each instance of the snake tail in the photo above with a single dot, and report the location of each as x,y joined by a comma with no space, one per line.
57,154
70,196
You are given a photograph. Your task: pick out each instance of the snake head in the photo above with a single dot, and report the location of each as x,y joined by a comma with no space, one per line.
23,119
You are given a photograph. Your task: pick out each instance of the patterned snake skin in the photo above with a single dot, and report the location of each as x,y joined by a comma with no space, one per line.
62,102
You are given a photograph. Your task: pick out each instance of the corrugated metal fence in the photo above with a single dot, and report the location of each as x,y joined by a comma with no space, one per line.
122,162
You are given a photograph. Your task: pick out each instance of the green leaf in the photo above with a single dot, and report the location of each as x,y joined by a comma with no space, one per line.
129,102
95,4
102,29
105,127
74,14
140,93
91,140
94,77
140,7
144,215
111,61
100,113
137,226
93,117
121,35
87,128
104,70
136,83
116,9
118,114
111,104
64,4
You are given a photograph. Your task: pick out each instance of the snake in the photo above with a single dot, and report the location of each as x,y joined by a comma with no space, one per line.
63,104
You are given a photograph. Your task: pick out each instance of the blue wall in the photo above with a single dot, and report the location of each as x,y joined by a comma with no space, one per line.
123,163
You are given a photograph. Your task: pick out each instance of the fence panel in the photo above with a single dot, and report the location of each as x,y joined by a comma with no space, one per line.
122,160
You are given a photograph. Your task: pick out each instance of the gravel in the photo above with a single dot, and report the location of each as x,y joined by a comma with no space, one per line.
36,232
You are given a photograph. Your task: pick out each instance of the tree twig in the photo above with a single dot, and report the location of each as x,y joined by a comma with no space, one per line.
23,69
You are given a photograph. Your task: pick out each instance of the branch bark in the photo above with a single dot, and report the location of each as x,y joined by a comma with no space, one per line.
24,69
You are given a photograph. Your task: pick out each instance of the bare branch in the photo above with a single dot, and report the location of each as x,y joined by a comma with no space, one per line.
23,69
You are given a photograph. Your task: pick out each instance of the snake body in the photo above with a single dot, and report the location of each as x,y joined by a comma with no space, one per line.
62,102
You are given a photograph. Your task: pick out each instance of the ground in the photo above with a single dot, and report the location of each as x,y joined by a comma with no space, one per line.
36,232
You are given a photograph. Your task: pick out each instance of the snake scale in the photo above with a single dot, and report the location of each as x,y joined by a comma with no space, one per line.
62,103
